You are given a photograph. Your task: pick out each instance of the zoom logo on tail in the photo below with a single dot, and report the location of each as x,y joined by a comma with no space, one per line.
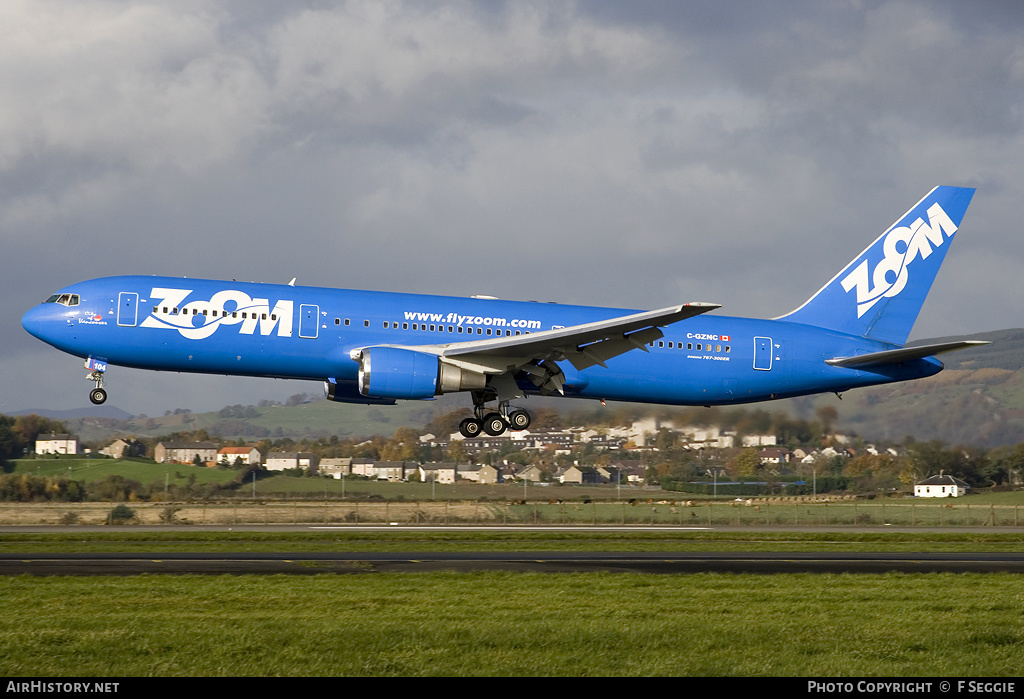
902,246
892,276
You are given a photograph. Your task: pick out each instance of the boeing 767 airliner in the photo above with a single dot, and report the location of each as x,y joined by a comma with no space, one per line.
377,347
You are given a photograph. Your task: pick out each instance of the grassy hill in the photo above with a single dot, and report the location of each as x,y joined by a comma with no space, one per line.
314,419
977,399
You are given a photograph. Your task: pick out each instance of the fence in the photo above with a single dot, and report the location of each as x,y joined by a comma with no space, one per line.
661,513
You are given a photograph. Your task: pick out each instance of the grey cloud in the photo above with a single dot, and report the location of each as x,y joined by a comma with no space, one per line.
622,154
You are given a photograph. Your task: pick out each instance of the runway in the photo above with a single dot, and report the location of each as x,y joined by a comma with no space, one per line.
571,562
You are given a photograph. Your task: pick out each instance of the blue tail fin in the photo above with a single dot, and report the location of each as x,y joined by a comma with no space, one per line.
880,293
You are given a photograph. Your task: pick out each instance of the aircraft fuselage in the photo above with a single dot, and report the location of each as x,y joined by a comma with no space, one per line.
296,332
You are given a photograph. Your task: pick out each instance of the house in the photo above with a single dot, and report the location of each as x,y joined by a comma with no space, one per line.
438,472
482,443
57,444
530,473
231,455
336,467
560,440
281,460
610,442
478,473
120,448
631,471
578,475
712,438
940,486
393,471
362,466
774,455
185,452
487,474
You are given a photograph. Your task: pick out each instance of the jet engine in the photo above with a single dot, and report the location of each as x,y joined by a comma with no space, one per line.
393,372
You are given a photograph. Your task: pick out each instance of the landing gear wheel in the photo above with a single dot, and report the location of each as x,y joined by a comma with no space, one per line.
494,424
470,427
98,396
519,420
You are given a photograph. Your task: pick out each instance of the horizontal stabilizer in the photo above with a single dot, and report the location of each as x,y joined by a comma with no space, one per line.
903,354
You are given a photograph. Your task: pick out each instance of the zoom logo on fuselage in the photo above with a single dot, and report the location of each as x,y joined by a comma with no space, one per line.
199,319
901,246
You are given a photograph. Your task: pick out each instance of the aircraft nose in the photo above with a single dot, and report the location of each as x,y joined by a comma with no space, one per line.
35,321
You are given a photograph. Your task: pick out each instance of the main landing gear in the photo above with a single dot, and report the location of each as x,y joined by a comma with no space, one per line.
493,423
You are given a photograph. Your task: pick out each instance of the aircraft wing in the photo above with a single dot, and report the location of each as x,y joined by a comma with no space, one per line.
585,339
902,355
582,345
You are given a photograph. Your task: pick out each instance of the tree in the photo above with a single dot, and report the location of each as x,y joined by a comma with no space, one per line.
29,427
746,464
457,451
121,514
404,446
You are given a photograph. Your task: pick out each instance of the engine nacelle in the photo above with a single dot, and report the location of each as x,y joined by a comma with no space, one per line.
392,372
347,392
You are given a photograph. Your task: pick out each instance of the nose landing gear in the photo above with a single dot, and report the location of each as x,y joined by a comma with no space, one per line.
98,395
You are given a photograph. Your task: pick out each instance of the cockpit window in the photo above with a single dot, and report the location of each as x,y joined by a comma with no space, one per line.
63,299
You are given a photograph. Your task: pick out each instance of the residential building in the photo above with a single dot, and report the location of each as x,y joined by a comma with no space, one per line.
336,467
940,486
393,471
120,448
230,455
578,474
281,460
57,444
774,455
438,472
479,473
529,473
185,452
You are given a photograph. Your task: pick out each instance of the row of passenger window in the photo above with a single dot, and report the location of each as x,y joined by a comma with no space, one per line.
700,346
214,313
423,327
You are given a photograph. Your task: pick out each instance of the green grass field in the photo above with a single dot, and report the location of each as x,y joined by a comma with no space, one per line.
513,624
143,471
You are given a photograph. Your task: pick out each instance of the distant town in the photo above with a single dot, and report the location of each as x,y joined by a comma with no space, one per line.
788,457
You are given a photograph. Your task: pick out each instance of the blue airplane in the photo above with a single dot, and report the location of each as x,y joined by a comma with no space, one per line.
375,347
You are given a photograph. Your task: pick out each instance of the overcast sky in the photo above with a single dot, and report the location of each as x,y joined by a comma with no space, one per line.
632,154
